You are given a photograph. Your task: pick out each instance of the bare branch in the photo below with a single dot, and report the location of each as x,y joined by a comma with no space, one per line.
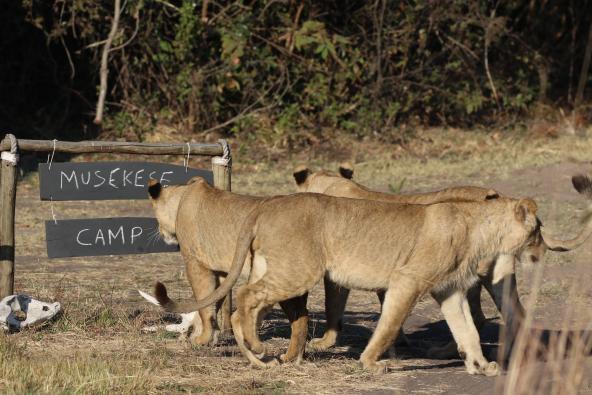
134,34
72,68
486,61
204,11
104,66
584,71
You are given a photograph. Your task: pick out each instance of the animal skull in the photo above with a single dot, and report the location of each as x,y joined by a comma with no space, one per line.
20,311
181,328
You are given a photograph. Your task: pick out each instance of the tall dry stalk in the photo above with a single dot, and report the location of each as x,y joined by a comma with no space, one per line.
550,361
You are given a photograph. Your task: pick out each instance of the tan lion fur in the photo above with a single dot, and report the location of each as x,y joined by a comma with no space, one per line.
499,281
341,185
436,248
209,228
205,222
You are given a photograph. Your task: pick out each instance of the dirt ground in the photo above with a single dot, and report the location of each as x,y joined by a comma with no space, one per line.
103,313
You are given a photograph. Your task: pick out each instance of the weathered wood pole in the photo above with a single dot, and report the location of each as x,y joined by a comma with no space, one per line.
221,167
7,199
114,147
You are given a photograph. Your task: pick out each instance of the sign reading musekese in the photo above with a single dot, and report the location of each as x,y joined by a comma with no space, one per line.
107,181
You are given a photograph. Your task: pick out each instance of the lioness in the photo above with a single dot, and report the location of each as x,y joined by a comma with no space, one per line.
292,241
329,183
503,271
205,222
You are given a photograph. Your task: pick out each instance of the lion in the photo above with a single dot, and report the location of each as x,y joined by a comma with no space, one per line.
405,249
503,271
208,228
205,222
332,184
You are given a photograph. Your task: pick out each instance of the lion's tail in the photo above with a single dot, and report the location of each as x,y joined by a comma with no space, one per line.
161,298
243,246
582,184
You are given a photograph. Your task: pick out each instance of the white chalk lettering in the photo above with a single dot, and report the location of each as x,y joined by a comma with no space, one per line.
100,236
136,229
78,238
111,179
150,176
113,236
138,177
163,180
68,179
82,178
127,174
98,175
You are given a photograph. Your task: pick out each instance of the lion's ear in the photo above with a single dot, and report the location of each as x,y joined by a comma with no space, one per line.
195,179
525,210
492,194
301,173
154,189
346,170
582,184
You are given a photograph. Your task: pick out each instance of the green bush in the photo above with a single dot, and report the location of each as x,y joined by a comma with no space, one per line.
282,71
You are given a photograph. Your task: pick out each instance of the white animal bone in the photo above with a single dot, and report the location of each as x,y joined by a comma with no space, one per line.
182,328
20,311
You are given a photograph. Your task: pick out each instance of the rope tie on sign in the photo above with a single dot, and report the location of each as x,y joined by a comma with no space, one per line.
12,156
50,161
186,160
55,221
226,158
50,156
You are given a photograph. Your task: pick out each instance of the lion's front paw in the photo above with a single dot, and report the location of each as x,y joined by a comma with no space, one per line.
257,347
377,367
296,359
321,343
491,369
486,369
204,339
264,364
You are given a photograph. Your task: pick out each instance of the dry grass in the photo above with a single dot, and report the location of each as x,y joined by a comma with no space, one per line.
97,345
557,361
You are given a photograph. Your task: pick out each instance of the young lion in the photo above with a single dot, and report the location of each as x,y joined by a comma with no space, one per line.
406,249
329,183
206,221
336,297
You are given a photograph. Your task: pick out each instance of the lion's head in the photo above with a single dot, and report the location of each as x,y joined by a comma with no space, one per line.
165,202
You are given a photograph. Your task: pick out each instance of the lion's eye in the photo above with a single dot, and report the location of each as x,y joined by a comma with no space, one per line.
45,308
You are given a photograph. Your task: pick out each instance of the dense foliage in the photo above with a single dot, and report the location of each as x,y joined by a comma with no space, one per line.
283,71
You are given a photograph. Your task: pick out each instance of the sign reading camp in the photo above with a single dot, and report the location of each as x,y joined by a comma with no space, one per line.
104,236
109,180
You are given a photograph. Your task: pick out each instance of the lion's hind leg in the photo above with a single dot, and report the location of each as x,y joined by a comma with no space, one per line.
203,282
297,313
251,306
240,341
335,301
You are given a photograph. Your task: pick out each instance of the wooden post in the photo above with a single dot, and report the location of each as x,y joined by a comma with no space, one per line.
221,167
7,200
114,147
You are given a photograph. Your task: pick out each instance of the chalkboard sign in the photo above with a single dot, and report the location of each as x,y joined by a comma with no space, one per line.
109,180
104,236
